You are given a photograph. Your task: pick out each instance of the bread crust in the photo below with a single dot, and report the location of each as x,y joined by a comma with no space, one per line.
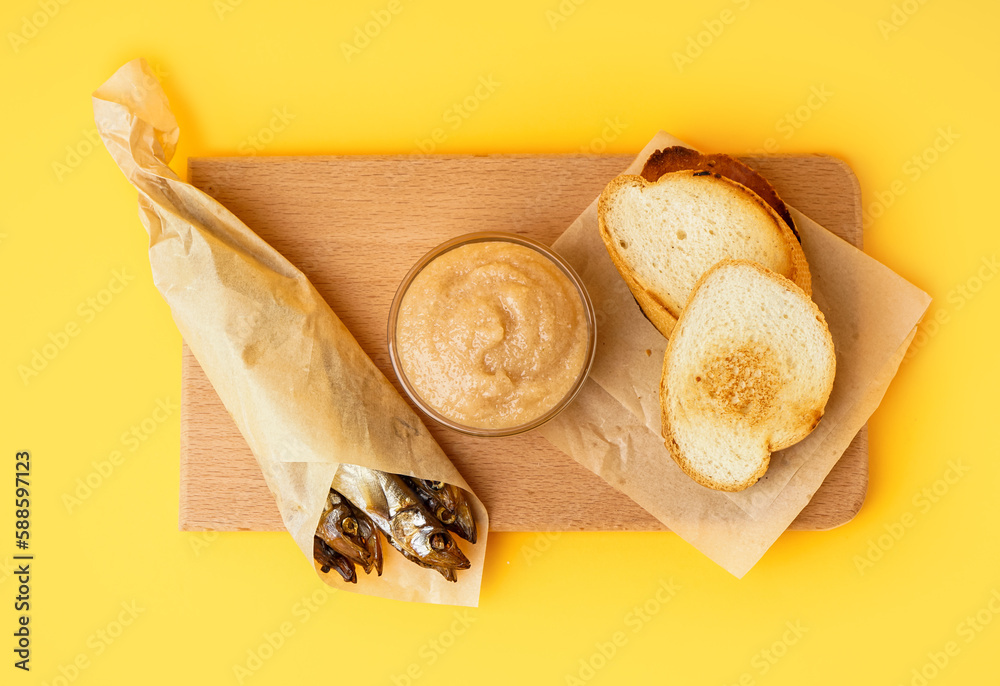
655,310
679,158
652,307
799,432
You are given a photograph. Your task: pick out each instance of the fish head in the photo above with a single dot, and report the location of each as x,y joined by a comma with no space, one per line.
367,537
464,524
329,559
427,540
351,534
451,507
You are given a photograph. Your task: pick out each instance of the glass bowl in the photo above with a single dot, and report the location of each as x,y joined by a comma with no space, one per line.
483,237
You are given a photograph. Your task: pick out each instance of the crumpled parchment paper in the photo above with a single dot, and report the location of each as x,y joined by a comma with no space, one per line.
303,393
613,427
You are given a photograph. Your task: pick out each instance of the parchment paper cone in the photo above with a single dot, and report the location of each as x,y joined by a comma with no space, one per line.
303,393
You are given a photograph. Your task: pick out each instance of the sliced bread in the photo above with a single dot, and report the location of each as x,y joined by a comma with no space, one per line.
663,235
679,158
748,370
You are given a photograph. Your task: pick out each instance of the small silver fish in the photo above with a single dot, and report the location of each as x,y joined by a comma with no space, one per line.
350,532
331,559
449,505
401,517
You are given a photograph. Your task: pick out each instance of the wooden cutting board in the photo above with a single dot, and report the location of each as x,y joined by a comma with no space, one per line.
355,225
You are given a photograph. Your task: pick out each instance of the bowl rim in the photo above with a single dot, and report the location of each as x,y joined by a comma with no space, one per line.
487,237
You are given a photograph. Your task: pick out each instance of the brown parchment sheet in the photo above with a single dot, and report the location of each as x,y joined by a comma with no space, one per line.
303,393
613,428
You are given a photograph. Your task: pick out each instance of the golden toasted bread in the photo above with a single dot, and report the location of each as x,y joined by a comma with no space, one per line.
663,235
679,158
748,371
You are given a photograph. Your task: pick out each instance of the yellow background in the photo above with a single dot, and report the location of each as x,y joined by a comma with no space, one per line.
564,69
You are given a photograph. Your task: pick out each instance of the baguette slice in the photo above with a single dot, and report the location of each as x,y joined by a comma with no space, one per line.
748,371
679,158
662,236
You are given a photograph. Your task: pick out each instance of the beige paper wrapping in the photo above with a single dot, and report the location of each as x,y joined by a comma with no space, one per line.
303,393
613,428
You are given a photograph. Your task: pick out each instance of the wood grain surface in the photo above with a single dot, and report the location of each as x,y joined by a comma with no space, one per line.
355,225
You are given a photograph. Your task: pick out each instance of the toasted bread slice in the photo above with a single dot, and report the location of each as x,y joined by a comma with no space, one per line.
748,371
662,236
679,158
